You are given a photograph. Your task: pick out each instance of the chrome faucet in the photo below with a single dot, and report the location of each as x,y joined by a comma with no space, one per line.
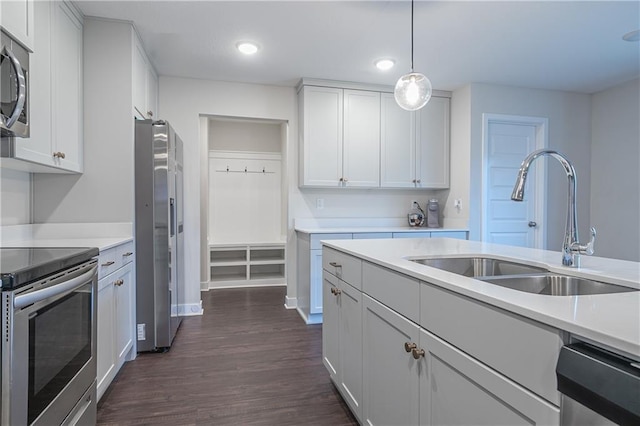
571,248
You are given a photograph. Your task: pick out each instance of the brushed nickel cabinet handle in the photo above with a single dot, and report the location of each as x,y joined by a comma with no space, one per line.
109,263
417,353
409,346
335,264
119,282
129,253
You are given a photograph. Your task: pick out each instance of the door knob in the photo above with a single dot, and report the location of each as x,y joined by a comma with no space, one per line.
532,224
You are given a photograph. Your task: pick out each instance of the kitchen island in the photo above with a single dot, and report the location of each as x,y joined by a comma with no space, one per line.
406,343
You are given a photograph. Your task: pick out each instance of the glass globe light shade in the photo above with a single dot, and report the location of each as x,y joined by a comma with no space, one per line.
412,91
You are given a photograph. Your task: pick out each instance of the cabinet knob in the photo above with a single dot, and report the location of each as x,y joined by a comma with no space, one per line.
109,263
417,353
120,282
335,264
417,180
344,180
150,114
409,346
335,291
413,181
341,179
59,154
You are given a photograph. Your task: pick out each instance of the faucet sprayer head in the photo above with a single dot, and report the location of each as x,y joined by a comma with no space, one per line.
518,189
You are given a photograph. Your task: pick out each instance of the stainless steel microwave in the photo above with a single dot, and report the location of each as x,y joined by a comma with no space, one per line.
14,88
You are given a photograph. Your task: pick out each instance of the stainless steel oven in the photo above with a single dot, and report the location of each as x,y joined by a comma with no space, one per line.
49,349
14,88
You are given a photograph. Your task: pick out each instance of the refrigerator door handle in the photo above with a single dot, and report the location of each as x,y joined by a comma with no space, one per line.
172,219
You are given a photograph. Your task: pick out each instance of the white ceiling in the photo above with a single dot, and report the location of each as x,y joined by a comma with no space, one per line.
574,46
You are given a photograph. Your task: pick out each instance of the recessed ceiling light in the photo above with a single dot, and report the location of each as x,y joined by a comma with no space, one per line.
247,48
632,36
384,64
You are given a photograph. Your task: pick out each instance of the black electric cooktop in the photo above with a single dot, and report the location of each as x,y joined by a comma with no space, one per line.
20,266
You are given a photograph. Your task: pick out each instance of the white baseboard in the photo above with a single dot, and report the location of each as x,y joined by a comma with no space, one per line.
244,284
290,302
191,309
311,319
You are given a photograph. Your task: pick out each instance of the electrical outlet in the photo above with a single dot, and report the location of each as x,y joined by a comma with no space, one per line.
319,203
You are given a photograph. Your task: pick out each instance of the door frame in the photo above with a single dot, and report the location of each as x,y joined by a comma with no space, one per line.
539,186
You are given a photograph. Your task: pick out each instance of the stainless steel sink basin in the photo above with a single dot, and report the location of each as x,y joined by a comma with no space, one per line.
555,285
479,266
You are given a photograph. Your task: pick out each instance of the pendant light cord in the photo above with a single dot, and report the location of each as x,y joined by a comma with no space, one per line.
411,35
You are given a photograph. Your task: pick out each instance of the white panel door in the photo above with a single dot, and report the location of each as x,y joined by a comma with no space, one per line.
397,145
331,326
361,143
321,136
350,300
125,322
507,221
432,144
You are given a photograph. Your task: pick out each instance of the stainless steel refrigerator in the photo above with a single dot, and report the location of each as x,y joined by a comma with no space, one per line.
159,234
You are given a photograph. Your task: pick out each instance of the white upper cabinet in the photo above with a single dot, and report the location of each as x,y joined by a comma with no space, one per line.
432,144
397,145
361,139
17,19
56,95
415,145
320,129
145,84
351,136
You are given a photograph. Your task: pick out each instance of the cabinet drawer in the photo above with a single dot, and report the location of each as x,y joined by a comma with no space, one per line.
519,348
107,262
343,266
317,238
124,253
397,291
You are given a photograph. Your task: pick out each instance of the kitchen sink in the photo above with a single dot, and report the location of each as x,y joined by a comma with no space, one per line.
479,266
555,285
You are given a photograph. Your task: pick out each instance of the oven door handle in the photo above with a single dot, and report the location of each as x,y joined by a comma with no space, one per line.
30,298
21,86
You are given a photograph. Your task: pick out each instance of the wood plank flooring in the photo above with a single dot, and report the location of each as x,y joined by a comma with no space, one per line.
246,361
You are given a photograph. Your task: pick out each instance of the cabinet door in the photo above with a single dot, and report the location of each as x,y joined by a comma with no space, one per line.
67,77
350,301
321,136
152,94
17,18
457,389
315,291
397,145
432,144
361,145
106,357
124,296
390,374
38,147
139,80
331,326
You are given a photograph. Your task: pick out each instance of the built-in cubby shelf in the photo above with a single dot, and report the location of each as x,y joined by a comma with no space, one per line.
241,265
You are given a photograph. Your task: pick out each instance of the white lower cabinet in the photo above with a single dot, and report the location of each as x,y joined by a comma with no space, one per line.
409,376
342,349
116,314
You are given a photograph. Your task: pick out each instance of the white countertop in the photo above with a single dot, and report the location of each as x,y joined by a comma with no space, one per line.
372,229
101,235
612,320
102,243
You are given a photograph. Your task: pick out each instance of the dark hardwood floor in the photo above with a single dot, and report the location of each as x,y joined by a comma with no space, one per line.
246,361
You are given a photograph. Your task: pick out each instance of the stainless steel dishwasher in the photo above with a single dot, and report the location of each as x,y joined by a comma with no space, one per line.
598,387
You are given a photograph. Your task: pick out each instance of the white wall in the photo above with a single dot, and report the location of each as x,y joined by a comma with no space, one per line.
244,135
183,101
569,117
15,197
615,177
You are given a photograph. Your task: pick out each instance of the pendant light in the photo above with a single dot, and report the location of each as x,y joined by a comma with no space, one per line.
413,90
